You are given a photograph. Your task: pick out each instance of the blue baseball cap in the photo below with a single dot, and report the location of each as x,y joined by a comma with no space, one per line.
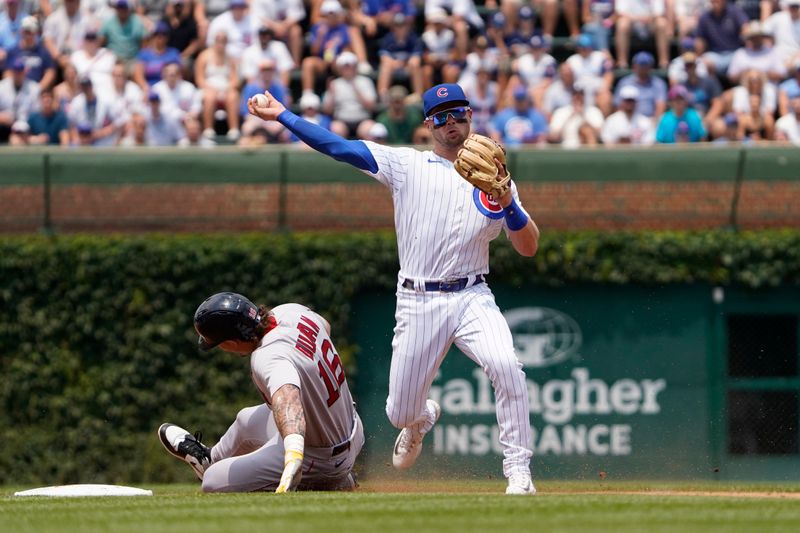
445,93
584,41
644,59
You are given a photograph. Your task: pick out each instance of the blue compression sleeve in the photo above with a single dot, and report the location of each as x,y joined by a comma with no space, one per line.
355,153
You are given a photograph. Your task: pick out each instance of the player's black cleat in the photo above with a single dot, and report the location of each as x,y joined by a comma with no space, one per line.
186,447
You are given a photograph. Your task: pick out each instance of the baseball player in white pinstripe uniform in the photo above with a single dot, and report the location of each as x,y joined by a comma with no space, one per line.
307,434
444,226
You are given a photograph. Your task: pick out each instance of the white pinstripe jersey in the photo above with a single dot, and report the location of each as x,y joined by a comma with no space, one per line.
299,352
444,224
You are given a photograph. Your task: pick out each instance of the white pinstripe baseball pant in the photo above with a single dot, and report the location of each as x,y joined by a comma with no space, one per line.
428,323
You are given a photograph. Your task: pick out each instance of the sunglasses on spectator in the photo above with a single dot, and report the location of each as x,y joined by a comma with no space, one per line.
459,114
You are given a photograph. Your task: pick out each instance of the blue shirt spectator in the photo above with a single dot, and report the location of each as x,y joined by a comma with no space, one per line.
520,124
49,125
400,46
37,59
151,60
721,27
680,122
374,7
10,25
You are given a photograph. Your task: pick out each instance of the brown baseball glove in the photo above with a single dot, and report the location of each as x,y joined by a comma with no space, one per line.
475,163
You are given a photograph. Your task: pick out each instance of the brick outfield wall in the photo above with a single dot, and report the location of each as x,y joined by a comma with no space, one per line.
347,206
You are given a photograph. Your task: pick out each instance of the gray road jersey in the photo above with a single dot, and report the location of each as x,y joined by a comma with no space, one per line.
299,351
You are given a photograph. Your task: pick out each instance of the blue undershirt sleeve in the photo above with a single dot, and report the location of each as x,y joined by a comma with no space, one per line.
355,153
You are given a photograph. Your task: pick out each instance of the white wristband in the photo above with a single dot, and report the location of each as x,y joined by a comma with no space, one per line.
294,443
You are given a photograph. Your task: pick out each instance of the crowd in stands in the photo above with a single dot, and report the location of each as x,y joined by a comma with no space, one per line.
561,72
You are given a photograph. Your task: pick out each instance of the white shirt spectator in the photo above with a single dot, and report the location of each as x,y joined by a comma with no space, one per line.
20,102
741,99
277,10
179,100
67,32
106,111
676,72
534,71
766,60
636,129
98,68
241,34
98,10
346,105
163,130
566,123
789,126
589,70
689,8
254,54
785,33
474,62
463,8
440,43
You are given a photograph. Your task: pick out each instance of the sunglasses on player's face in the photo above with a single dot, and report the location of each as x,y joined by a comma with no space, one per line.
459,114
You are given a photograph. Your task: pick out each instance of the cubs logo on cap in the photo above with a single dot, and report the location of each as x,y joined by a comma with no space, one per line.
487,205
446,93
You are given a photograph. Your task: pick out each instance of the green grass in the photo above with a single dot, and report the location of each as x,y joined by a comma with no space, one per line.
426,506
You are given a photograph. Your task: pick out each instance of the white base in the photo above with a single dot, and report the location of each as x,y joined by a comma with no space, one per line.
72,491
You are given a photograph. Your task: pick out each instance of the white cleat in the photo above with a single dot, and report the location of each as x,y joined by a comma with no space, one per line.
520,483
186,447
408,445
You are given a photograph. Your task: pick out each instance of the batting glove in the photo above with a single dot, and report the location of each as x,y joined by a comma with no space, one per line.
293,446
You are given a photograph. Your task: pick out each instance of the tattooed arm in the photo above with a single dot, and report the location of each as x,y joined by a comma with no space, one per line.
291,421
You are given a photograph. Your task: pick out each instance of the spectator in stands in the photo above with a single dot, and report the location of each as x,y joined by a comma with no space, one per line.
738,100
787,128
535,70
484,97
238,26
482,54
267,80
178,96
184,32
93,60
559,92
522,28
123,32
756,125
151,59
41,67
163,129
82,135
135,131
193,134
593,70
267,47
401,120
125,92
499,28
731,133
644,18
284,18
789,89
627,126
463,16
652,90
755,9
703,90
328,39
10,27
351,97
309,109
400,51
548,13
784,26
577,123
99,111
519,124
670,127
216,75
48,125
20,134
757,54
719,33
687,15
599,17
439,57
676,74
64,30
377,133
19,97
68,89
97,10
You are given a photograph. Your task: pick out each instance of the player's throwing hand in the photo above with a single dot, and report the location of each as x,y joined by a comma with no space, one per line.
265,110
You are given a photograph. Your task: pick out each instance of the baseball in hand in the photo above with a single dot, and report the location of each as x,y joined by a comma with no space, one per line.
260,100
